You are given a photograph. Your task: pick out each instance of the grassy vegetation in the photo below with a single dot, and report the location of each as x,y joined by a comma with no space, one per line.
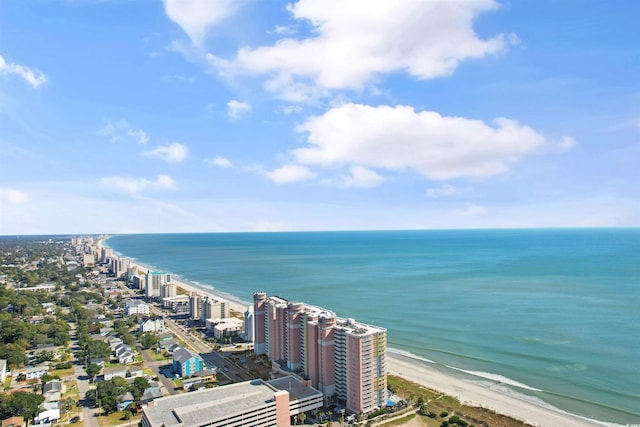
116,419
439,403
158,357
72,390
62,372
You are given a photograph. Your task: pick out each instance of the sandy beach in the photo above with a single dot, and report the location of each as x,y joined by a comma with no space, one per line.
466,392
474,395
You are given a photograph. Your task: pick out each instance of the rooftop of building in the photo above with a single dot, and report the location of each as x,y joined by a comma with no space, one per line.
200,407
182,354
357,328
296,388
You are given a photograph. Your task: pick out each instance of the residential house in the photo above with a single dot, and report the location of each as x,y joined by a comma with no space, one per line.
47,417
117,371
52,391
153,325
13,422
124,353
100,361
186,362
199,379
3,371
125,401
36,371
150,394
136,371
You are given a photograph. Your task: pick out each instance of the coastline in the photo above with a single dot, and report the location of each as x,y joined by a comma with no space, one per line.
234,303
475,395
412,370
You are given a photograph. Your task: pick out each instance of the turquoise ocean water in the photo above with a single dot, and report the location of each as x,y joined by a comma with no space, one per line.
550,315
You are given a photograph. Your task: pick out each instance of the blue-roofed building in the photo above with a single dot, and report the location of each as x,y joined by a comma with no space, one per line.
186,362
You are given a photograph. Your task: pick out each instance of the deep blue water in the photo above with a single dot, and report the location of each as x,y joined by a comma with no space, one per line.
552,315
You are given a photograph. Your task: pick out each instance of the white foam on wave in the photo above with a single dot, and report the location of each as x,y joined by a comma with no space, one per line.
496,378
409,355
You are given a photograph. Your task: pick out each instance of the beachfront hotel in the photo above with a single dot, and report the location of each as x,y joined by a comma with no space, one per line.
154,281
251,403
341,357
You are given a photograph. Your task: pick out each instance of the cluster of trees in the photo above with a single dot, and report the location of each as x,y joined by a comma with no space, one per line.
20,404
108,394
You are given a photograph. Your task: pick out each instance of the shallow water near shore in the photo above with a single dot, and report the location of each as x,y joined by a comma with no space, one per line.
550,315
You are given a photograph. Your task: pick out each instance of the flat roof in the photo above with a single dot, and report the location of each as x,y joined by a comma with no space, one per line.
201,407
296,388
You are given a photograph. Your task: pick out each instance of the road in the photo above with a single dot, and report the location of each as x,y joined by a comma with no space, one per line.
165,382
82,379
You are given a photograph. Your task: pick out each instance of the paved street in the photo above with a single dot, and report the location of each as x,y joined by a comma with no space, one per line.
82,379
155,366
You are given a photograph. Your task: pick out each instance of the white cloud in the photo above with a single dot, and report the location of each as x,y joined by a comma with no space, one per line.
355,41
290,109
285,29
119,130
471,210
171,153
290,173
34,77
196,17
133,185
139,135
446,190
237,109
361,177
12,196
399,138
219,161
566,144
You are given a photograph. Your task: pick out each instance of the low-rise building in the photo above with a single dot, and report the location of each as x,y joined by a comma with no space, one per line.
153,325
117,371
186,362
227,327
36,371
3,370
13,422
250,403
135,306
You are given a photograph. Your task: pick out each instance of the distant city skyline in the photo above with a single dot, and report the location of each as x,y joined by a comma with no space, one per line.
213,115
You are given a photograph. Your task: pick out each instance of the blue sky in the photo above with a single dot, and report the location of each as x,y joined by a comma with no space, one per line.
260,115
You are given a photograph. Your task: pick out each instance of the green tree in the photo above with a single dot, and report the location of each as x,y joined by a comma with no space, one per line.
137,388
92,370
149,340
25,405
13,354
107,393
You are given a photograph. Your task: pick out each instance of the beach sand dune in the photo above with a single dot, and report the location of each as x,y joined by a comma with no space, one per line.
474,395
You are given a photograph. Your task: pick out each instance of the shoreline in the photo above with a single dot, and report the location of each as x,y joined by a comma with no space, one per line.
475,395
420,373
235,304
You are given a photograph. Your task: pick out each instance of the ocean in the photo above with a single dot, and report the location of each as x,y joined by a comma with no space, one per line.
550,315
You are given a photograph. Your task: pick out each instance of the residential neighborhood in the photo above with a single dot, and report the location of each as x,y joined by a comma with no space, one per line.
81,344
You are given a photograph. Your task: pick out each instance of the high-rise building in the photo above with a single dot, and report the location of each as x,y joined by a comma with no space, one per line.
153,281
214,308
195,306
168,290
341,357
248,324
